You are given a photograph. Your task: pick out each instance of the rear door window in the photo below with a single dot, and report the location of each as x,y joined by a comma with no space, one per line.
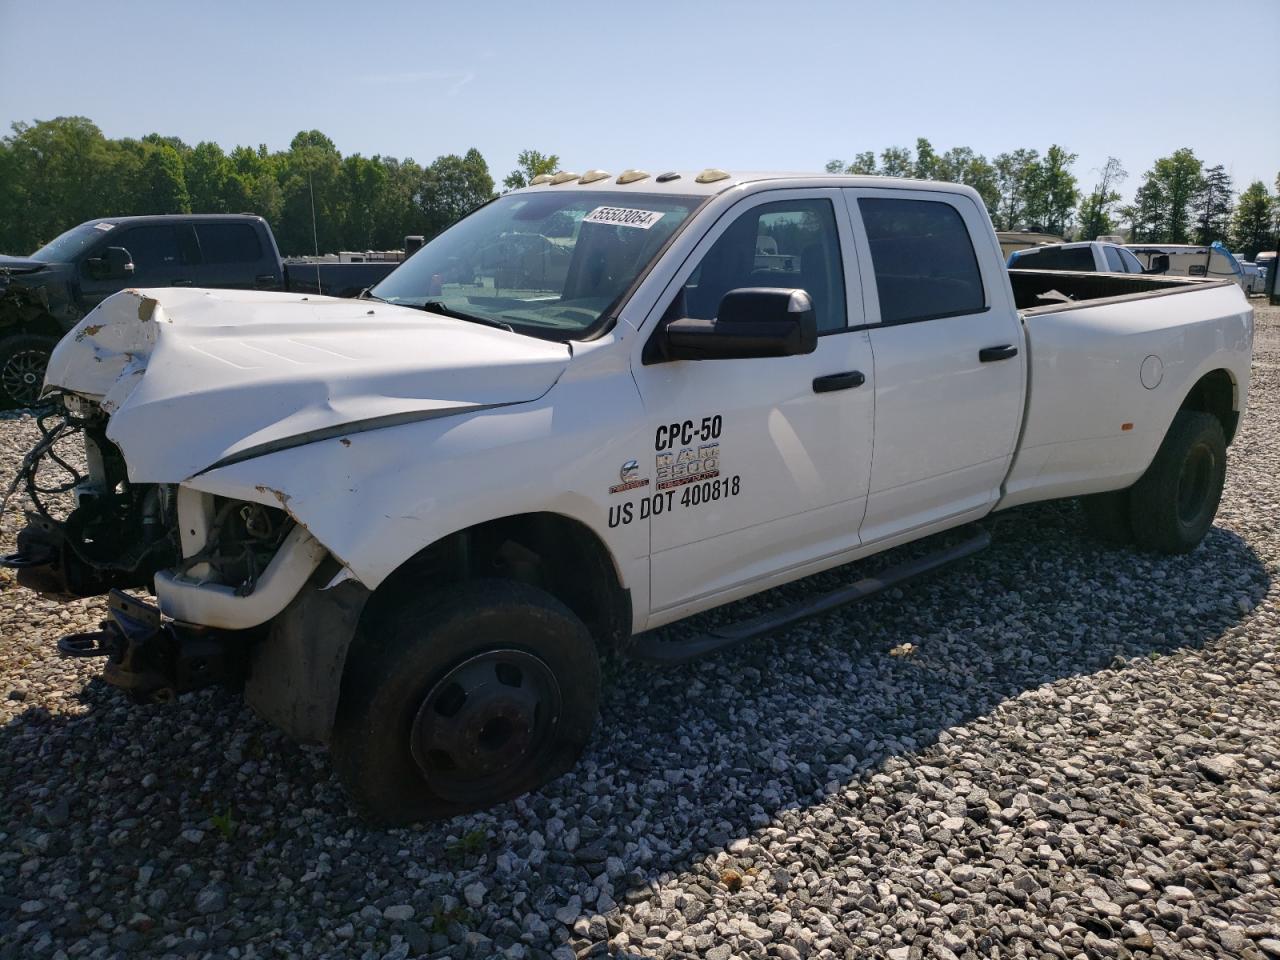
228,243
923,258
1131,263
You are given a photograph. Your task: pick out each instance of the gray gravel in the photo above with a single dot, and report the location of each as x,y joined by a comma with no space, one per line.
1078,755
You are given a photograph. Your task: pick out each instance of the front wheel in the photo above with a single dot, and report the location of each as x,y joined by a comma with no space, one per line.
23,359
1173,504
459,701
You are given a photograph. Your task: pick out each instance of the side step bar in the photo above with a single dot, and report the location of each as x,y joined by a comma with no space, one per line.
649,648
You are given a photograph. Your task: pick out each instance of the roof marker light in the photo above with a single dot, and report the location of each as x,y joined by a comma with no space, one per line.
540,178
564,177
631,176
591,176
668,177
711,175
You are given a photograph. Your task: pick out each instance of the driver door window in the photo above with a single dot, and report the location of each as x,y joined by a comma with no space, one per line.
789,244
154,250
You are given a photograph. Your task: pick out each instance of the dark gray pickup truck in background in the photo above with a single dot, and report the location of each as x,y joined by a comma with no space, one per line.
44,295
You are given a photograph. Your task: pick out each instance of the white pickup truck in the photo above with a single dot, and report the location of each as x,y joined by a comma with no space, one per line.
592,408
1083,256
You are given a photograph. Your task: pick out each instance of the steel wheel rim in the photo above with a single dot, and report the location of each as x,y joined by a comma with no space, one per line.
485,724
23,375
1194,480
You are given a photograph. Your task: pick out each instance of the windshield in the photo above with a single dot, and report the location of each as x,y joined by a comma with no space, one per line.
549,264
68,245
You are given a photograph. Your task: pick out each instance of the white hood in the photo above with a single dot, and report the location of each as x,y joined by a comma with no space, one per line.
194,377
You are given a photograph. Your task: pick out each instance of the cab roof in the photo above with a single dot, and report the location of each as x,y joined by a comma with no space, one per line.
698,183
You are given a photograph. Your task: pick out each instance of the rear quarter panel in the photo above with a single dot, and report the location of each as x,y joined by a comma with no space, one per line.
1085,384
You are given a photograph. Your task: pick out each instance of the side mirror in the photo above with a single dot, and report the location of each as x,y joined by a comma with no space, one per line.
1159,264
751,322
114,264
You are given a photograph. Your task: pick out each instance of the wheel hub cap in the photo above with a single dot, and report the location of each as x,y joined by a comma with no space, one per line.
1194,481
484,722
23,374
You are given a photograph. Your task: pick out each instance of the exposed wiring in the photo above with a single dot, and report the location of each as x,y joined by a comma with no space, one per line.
65,426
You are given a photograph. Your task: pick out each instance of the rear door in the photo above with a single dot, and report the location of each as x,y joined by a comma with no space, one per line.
232,256
949,377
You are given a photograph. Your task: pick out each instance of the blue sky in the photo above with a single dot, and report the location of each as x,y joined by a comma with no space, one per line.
659,85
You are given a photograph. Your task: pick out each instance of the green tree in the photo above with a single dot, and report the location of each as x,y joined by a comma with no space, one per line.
58,173
1253,227
207,169
254,184
1148,214
397,214
162,182
864,163
926,165
1095,209
1174,180
1211,205
896,162
451,188
363,181
310,181
1014,173
530,164
1051,191
962,165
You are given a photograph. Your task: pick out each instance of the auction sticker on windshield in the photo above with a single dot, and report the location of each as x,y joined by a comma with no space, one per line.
623,217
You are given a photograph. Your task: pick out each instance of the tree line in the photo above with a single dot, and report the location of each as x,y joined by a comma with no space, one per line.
1180,199
57,173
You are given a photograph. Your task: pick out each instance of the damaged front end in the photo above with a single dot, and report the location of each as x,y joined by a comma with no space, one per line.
117,535
221,569
153,659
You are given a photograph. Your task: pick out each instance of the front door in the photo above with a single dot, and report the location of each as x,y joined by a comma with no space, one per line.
758,466
949,360
160,253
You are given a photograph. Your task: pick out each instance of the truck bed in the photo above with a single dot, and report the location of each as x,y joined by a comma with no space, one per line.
1030,286
1107,368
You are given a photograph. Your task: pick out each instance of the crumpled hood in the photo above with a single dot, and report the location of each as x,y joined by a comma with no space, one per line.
191,378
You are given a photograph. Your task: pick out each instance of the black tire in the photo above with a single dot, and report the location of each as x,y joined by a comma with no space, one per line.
1173,504
23,359
456,702
1107,516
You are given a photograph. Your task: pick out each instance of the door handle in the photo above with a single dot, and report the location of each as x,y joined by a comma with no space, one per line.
266,279
838,381
182,283
1005,351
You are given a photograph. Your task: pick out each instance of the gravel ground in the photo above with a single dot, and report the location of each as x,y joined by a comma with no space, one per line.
1077,756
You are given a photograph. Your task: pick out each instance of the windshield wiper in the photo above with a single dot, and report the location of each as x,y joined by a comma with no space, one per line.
436,306
368,294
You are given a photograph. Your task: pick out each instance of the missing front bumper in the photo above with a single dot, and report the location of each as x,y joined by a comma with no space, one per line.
154,660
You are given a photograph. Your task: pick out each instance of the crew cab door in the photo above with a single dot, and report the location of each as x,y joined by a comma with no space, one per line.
949,359
232,256
758,465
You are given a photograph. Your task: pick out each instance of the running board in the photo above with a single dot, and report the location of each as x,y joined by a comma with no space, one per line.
650,648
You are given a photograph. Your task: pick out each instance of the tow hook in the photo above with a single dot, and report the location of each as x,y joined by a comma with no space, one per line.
154,660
